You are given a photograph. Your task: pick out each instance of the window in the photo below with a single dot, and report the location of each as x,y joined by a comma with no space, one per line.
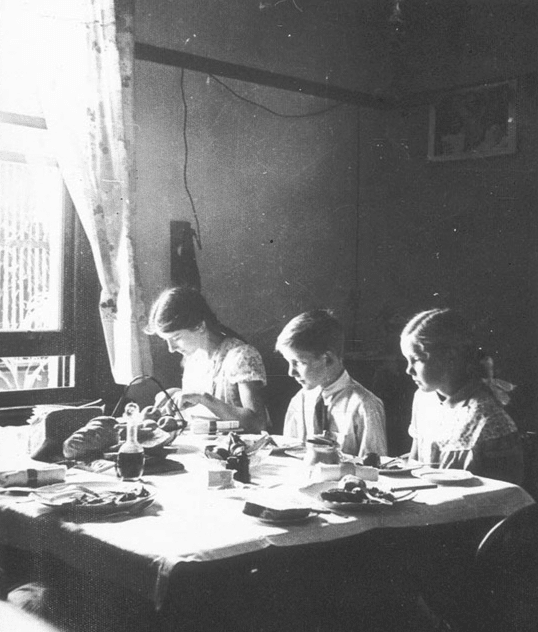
45,262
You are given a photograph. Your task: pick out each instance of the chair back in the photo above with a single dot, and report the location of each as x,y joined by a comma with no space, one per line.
507,573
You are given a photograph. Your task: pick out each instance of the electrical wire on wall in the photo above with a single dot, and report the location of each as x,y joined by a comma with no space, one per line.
280,114
196,232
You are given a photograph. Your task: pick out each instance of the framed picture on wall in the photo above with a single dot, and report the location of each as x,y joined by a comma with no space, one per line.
473,123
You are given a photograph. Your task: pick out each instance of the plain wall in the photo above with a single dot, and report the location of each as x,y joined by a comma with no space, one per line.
461,233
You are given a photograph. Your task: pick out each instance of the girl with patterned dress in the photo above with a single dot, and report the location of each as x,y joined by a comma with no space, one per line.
458,419
220,371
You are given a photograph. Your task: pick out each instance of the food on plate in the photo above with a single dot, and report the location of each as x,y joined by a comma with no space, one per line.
145,431
98,435
274,514
168,423
394,464
350,482
356,491
78,495
151,413
155,439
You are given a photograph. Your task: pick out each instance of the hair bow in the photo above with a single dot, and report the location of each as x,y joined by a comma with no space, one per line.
501,389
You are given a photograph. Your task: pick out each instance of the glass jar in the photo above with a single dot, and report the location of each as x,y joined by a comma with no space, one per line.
316,453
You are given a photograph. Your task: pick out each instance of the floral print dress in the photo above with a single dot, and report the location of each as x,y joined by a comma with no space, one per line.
469,430
233,363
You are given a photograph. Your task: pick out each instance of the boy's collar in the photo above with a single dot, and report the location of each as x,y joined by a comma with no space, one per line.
336,385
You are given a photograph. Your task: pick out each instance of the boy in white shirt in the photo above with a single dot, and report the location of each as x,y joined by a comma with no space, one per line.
312,344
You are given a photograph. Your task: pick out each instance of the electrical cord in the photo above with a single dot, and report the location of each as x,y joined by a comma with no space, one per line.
197,233
264,107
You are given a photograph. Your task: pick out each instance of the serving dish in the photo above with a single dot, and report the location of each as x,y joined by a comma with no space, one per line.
95,498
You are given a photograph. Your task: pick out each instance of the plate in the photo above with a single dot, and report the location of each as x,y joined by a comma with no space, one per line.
76,498
314,491
404,468
445,477
369,505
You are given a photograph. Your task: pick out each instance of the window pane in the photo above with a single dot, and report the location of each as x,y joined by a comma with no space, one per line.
31,246
38,372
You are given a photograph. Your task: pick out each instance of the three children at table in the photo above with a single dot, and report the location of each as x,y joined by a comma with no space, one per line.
458,420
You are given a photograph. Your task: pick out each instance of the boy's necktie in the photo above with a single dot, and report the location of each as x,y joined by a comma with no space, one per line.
321,417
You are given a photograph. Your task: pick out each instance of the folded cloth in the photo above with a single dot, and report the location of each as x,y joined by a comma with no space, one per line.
31,473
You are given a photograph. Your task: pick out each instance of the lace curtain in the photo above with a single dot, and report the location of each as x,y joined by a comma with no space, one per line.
86,59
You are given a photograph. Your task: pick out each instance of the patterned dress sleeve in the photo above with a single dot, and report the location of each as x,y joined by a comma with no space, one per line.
500,458
244,364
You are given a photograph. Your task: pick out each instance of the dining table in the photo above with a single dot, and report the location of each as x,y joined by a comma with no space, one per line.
192,531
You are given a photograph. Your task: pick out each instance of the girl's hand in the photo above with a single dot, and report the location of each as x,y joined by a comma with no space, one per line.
251,415
168,405
191,399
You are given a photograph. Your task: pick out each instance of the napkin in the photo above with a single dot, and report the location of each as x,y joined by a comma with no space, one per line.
32,473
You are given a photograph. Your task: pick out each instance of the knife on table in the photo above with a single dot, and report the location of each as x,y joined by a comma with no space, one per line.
413,486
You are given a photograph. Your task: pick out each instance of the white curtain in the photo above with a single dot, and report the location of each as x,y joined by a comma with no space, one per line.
86,59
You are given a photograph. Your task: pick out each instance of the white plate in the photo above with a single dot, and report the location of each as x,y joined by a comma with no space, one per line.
445,477
70,497
404,468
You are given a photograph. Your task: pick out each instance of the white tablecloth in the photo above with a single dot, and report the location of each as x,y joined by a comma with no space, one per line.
189,523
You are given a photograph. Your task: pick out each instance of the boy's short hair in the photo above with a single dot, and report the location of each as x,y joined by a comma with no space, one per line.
316,331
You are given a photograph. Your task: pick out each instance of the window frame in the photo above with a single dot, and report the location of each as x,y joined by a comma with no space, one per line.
79,311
